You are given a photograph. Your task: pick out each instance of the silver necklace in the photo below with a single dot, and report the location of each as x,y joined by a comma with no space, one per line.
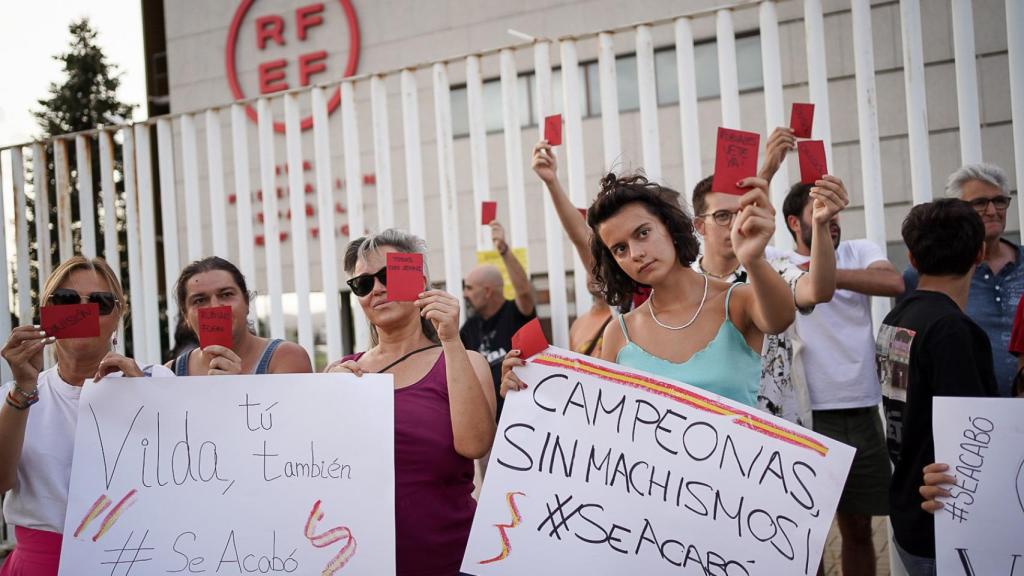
650,308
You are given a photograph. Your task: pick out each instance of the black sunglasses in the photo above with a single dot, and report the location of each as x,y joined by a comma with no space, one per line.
363,284
105,300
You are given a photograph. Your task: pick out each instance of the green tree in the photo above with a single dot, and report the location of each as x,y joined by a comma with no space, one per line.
85,97
88,95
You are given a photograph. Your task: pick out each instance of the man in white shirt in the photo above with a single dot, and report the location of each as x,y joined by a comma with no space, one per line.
836,347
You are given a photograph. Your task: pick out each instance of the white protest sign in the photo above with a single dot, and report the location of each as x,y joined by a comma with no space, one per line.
277,474
980,529
597,469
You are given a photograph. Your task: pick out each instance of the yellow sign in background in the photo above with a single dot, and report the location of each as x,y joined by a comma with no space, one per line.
492,257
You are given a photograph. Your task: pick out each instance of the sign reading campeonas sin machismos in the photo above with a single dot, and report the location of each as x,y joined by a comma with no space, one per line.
600,470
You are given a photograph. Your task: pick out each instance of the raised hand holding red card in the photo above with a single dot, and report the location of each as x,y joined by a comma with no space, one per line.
530,340
735,159
553,130
215,326
812,160
801,120
70,320
488,212
405,276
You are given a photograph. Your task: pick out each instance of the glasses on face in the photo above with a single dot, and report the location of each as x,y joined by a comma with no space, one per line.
980,205
721,217
363,284
105,300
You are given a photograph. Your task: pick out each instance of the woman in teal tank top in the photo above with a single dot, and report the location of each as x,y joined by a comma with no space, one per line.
694,329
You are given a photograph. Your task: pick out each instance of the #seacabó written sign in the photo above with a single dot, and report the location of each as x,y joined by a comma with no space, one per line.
980,529
597,469
276,474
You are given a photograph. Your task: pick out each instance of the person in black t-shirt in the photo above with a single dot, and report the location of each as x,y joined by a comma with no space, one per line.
493,319
927,347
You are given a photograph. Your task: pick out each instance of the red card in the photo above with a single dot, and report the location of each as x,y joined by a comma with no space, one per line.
812,160
70,320
215,326
529,340
735,159
405,276
802,119
583,212
553,130
488,212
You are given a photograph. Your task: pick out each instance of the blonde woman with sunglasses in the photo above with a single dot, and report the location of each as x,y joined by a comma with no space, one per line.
40,410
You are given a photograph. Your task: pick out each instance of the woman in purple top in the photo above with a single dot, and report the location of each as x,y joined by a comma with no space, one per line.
444,406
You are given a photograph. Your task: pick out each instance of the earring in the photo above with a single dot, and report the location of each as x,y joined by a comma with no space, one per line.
113,341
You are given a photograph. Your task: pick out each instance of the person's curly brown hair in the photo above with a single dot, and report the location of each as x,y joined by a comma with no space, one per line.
662,202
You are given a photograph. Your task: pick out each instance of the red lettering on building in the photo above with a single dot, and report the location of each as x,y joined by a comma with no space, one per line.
272,76
269,28
306,17
270,32
309,64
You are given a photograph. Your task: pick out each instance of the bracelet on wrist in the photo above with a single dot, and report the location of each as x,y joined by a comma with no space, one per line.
20,405
27,396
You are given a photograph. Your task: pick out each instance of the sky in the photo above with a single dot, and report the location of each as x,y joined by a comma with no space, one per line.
31,33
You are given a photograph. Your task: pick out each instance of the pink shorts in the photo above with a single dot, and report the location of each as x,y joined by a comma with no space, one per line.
36,554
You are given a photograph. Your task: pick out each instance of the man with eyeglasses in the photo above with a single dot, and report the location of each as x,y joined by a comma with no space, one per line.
834,351
779,393
998,282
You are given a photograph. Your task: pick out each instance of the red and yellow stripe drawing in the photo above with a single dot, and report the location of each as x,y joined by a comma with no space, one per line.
97,508
115,513
330,537
517,518
684,396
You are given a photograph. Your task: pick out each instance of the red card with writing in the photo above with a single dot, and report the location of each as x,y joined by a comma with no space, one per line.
529,340
735,159
553,130
488,212
812,160
405,276
802,119
70,320
215,326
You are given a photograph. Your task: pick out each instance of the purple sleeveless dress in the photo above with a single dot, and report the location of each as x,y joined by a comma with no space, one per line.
434,505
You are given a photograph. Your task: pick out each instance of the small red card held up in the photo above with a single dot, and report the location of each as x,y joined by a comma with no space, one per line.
530,340
70,320
405,276
735,159
553,130
812,160
801,120
488,212
215,326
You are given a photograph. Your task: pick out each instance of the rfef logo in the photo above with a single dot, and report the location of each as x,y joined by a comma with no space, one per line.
287,47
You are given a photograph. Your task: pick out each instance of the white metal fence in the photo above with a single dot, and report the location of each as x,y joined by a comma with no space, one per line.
131,198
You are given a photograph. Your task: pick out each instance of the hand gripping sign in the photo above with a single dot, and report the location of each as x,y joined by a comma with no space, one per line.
978,530
275,474
598,469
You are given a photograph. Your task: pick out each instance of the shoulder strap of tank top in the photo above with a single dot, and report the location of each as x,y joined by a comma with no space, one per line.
622,324
264,364
181,363
728,295
406,357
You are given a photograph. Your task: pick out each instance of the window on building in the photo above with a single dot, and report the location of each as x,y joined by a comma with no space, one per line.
748,69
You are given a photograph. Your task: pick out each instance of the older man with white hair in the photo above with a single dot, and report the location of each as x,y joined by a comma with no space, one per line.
998,281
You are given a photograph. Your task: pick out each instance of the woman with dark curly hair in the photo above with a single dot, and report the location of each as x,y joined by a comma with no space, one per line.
692,328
